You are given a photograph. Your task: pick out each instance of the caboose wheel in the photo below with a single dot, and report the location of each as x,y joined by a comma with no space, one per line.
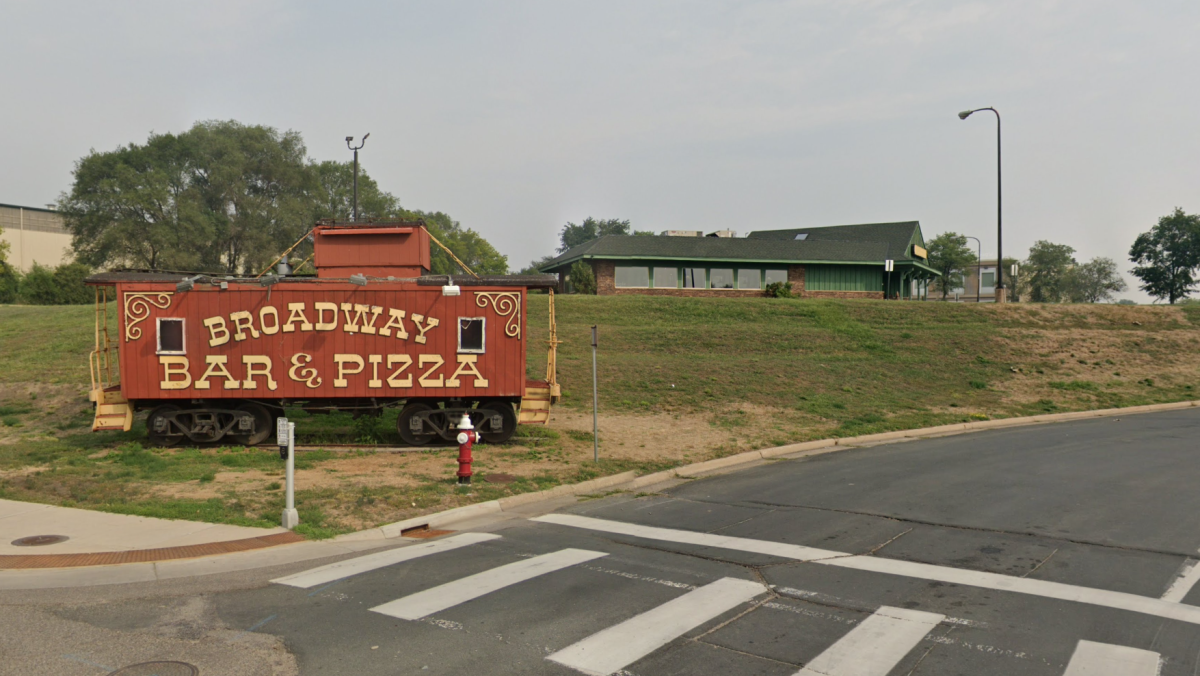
263,424
161,427
508,422
412,426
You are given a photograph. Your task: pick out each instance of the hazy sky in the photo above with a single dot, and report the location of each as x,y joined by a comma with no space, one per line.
515,117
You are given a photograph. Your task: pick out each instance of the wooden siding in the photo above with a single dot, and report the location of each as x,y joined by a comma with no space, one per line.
844,278
502,363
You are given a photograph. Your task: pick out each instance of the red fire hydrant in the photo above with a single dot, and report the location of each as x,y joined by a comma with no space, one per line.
466,436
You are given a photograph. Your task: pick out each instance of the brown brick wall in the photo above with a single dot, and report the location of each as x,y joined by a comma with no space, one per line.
844,294
692,293
605,272
796,279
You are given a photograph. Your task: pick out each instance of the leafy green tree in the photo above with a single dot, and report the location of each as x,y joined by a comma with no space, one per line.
949,255
4,249
1094,281
582,278
1167,256
228,197
470,247
572,235
1044,272
534,267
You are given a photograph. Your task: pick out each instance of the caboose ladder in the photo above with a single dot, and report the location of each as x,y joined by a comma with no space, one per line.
113,411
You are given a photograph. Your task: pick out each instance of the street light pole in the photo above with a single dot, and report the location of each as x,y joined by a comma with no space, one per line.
349,140
999,209
978,267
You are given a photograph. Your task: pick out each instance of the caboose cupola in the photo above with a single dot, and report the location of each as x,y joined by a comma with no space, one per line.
397,249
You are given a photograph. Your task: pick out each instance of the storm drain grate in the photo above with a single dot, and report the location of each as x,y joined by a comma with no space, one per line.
39,540
158,669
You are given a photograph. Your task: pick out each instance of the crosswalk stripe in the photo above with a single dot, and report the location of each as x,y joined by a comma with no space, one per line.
430,601
623,644
875,646
362,564
1103,659
877,564
781,549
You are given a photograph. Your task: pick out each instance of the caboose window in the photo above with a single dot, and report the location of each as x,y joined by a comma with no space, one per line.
170,336
470,334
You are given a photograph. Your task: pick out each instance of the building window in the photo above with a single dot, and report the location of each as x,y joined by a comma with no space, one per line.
635,278
666,278
776,276
693,278
470,334
801,237
170,336
987,280
749,279
720,278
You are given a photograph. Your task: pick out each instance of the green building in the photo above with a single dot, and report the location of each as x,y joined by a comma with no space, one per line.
844,261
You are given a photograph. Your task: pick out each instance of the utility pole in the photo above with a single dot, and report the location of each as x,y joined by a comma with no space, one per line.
978,266
349,140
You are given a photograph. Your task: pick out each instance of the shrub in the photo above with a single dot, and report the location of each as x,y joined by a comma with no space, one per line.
59,286
582,278
10,283
779,290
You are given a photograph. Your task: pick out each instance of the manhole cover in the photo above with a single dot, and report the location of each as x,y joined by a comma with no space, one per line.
157,669
499,478
39,540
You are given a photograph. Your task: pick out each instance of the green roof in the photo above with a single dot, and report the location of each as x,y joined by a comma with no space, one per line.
844,244
895,236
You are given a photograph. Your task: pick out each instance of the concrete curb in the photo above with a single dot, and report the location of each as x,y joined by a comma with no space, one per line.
630,481
627,481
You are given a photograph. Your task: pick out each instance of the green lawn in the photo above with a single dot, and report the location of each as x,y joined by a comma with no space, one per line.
738,373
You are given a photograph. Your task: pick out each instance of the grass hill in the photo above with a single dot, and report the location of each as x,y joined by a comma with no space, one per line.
681,380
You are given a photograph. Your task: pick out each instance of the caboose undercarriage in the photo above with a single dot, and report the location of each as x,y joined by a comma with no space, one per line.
421,421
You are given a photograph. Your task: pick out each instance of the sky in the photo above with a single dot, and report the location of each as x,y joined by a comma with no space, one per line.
516,117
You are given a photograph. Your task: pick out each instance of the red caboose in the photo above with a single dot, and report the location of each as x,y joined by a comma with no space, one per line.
217,358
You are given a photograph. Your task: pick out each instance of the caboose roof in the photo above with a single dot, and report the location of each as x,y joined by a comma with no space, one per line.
173,277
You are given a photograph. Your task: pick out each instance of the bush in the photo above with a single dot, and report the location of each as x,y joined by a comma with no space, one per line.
779,290
61,286
10,284
582,279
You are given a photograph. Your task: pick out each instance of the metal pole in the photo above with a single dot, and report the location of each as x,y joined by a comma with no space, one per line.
290,516
356,185
595,404
999,218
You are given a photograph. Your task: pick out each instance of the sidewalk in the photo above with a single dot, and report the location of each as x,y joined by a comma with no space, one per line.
100,538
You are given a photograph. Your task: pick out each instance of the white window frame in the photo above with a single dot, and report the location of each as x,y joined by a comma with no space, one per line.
158,335
987,289
483,336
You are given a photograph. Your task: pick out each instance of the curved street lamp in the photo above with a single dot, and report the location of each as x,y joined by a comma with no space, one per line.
349,140
999,211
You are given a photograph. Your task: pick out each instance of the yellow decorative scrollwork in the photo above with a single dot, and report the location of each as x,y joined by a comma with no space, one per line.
506,305
137,309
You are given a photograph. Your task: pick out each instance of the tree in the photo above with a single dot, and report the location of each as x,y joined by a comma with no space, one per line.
583,280
4,249
573,235
57,286
1094,281
1044,272
534,267
227,197
950,255
1167,256
222,196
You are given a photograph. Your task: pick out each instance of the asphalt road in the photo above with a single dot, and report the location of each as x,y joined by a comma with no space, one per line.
1039,550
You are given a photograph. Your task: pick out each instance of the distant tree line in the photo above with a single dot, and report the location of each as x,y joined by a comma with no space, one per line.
227,197
574,234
